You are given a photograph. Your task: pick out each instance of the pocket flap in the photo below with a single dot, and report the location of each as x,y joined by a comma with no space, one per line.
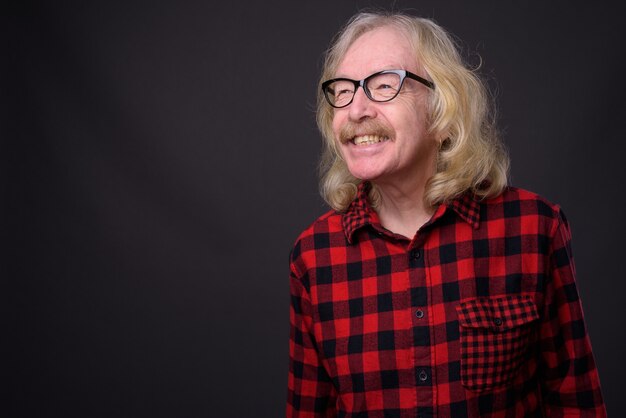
498,314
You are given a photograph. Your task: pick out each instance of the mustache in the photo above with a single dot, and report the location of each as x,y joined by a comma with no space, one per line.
369,127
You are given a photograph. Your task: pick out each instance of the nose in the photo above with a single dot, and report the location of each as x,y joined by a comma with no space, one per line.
361,107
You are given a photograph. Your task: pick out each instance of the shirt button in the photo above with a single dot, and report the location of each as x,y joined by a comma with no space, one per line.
415,254
423,376
497,321
419,314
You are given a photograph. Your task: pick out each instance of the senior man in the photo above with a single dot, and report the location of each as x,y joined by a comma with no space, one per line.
432,288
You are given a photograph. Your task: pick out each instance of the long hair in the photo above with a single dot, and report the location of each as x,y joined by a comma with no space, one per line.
471,157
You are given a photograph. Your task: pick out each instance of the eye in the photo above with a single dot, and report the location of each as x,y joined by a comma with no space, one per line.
341,89
343,92
383,87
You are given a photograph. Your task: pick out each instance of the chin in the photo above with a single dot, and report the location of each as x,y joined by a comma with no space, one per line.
365,175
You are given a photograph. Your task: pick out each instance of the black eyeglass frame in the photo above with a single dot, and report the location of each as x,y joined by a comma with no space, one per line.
363,83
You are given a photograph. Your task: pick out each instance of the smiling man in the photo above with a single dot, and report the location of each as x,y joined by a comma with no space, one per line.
432,288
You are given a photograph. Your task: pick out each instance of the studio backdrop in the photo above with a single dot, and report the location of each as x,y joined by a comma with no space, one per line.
160,158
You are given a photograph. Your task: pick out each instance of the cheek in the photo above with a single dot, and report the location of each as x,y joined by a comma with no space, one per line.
336,127
336,121
415,106
415,119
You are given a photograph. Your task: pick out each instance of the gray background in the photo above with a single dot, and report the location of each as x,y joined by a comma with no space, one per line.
159,159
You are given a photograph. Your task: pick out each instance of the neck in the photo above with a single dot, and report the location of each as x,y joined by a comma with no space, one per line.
403,213
403,209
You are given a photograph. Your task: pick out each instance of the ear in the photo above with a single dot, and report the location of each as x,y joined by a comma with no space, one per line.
444,142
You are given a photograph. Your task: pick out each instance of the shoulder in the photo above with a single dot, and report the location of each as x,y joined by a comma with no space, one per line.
524,207
324,233
514,201
327,223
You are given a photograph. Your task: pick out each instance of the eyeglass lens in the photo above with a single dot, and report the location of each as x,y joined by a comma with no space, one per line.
380,88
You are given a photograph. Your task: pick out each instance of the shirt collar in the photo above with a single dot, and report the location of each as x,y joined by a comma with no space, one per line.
360,213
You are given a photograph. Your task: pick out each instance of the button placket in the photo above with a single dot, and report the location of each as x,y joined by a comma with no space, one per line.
415,257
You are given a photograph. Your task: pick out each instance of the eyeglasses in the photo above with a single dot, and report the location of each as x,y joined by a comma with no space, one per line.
382,86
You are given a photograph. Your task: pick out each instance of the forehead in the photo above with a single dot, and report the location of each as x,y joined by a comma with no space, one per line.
384,48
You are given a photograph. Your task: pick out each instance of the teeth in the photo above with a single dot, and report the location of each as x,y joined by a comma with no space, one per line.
368,139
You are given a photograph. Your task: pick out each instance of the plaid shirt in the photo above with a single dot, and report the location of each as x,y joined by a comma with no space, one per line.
477,315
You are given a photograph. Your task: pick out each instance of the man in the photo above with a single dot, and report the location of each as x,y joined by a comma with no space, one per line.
432,288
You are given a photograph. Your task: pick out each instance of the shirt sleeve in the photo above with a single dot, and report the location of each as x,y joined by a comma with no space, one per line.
570,383
311,392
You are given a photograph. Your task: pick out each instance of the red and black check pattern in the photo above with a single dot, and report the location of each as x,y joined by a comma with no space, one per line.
477,315
504,325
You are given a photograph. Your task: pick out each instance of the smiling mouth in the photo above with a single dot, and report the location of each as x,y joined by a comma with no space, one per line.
368,139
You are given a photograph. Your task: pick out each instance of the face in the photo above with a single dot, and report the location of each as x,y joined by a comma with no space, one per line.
385,142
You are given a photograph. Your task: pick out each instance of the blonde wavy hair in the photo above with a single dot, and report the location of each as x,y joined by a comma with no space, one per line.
471,157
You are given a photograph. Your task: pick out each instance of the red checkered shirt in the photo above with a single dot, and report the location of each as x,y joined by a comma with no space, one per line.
477,316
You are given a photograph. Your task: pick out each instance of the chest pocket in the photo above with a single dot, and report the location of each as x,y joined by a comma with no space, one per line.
495,335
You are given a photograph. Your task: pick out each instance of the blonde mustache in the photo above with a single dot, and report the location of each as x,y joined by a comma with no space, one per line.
370,127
